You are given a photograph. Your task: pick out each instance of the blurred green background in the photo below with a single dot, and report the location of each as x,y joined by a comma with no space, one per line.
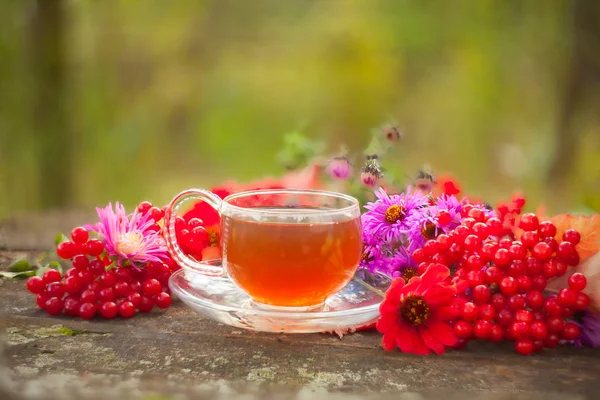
139,99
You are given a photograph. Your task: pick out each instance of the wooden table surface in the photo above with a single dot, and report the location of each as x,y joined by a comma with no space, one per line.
178,354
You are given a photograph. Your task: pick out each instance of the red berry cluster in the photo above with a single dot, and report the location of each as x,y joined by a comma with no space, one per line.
94,286
501,281
195,240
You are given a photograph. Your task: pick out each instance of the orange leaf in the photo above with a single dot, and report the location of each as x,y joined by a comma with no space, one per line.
587,226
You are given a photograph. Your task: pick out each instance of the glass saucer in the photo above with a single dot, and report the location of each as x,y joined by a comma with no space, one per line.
218,298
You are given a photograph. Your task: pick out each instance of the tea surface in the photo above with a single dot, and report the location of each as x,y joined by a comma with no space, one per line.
291,264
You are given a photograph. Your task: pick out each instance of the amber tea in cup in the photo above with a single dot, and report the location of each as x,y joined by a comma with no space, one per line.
285,248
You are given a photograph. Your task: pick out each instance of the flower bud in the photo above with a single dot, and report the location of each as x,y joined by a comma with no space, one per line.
339,168
371,173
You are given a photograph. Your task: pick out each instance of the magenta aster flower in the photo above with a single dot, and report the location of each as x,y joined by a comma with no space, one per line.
129,237
590,330
422,226
452,206
386,218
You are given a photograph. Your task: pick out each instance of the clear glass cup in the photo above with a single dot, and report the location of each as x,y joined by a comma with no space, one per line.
284,248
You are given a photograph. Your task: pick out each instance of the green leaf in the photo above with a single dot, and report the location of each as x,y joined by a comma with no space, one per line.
55,265
14,275
58,239
21,265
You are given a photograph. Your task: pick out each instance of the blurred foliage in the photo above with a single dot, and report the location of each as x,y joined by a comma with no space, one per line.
165,95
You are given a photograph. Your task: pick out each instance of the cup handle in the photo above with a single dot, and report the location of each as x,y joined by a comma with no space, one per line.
209,267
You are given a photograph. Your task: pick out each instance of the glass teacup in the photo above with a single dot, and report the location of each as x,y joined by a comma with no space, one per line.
284,248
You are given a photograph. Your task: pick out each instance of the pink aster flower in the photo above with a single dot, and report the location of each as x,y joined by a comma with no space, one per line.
386,218
129,237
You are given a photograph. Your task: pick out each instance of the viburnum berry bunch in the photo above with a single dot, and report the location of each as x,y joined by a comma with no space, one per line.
500,278
120,266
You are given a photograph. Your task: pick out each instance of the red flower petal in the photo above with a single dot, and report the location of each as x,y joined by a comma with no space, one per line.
389,306
435,274
413,286
442,332
430,341
388,342
446,313
386,322
409,340
439,295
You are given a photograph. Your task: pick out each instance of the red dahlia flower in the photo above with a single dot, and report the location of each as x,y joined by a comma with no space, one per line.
414,316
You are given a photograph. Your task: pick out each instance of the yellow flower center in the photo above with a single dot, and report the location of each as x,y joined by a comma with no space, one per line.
414,310
428,230
394,213
408,273
130,243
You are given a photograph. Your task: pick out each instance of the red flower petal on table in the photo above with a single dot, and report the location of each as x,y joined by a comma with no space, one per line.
413,313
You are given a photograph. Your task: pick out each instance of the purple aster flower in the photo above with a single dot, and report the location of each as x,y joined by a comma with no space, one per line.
372,258
129,237
421,227
339,168
386,218
590,330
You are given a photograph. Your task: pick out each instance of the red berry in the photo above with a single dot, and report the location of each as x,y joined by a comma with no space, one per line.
107,294
146,304
79,235
477,214
509,286
495,226
444,242
550,269
534,266
505,317
87,310
502,257
97,267
524,316
492,275
524,283
152,287
469,312
443,217
582,302
135,287
163,300
547,229
464,212
419,256
126,309
41,300
463,329
85,276
561,267
108,310
474,278
487,312
516,268
552,307
567,297
539,316
482,329
474,262
121,289
54,306
144,206
481,294
552,243
524,346
134,298
551,340
577,281
94,247
567,312
496,333
516,302
539,282
517,251
108,279
481,230
572,260
50,276
498,301
71,306
555,324
565,250
55,289
66,250
156,213
534,299
530,239
35,285
572,236
80,261
71,272
72,285
505,243
519,329
88,296
488,250
571,331
542,251
468,222
529,222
